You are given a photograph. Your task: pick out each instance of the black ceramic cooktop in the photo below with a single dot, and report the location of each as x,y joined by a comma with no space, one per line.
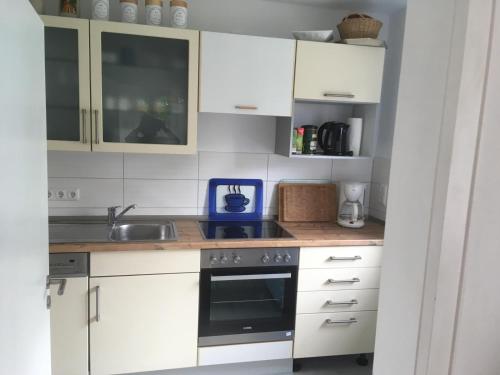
263,229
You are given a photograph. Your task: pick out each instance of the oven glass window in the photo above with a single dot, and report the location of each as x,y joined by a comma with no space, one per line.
237,298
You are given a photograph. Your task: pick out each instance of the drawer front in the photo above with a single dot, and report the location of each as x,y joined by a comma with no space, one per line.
337,301
340,257
338,279
318,335
121,263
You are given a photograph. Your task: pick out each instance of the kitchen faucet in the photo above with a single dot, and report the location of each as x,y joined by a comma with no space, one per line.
113,217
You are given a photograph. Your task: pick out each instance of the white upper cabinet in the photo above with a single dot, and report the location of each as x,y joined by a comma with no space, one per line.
246,74
338,72
67,83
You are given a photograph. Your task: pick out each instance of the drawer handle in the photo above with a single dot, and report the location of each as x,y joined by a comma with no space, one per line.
349,321
351,302
353,280
250,107
338,95
356,257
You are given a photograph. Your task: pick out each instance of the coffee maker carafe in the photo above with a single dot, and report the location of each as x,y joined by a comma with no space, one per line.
351,213
332,138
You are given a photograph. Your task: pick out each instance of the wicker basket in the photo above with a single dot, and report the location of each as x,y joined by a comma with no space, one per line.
359,25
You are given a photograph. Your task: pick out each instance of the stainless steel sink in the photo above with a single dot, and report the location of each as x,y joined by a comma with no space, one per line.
143,232
130,231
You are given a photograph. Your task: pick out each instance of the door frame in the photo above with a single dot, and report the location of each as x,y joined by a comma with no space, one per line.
446,47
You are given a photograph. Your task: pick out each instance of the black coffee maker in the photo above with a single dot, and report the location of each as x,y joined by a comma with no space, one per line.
332,138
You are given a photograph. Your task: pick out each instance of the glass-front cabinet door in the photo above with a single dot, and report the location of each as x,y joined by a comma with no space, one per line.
144,88
67,80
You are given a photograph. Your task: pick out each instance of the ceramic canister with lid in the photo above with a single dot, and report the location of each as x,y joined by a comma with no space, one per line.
68,8
100,10
129,11
178,13
153,12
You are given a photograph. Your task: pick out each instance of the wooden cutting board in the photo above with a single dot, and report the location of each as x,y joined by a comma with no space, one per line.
307,202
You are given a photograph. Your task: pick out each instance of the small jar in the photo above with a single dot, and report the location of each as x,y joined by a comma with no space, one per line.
68,8
178,13
310,139
153,12
100,10
129,11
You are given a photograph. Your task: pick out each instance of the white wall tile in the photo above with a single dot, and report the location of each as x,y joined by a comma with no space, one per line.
203,193
232,165
77,211
270,211
170,211
85,164
161,193
271,194
236,133
352,170
281,167
381,170
94,192
182,167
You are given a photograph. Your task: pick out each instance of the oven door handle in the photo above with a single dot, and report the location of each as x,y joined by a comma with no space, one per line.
263,276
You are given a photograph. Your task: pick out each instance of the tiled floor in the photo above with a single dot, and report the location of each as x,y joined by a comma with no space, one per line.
342,365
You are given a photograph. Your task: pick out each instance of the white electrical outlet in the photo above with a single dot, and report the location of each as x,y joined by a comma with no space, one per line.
64,194
73,194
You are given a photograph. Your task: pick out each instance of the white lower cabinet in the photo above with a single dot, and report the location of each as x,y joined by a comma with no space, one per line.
68,327
339,279
319,335
337,301
143,323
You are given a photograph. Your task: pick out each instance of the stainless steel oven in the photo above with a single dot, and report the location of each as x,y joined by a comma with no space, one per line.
247,295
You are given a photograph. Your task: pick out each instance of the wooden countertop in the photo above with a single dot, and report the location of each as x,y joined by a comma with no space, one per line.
190,237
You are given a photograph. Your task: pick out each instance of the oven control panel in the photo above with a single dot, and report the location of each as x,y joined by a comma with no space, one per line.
259,257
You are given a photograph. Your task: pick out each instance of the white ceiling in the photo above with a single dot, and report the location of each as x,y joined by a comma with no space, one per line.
377,5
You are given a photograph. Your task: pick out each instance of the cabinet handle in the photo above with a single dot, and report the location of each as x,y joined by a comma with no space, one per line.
338,95
84,125
351,302
60,282
251,107
96,126
349,321
353,280
333,258
97,303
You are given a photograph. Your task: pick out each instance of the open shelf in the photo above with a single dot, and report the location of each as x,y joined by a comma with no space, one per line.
314,113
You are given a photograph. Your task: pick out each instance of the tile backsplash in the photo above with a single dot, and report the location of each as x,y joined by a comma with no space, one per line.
178,184
229,146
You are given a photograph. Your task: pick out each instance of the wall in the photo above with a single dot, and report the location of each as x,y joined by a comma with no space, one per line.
387,115
422,90
242,142
230,146
254,17
477,326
